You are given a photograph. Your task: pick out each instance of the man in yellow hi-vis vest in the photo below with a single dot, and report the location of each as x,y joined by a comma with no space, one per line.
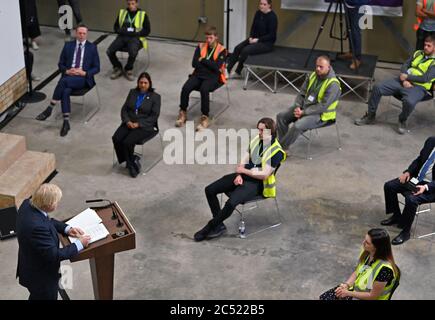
255,176
132,26
315,105
414,84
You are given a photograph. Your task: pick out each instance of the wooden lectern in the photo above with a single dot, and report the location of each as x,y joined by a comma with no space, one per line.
101,254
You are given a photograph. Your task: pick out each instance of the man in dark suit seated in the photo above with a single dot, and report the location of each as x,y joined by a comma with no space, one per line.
39,255
422,169
79,62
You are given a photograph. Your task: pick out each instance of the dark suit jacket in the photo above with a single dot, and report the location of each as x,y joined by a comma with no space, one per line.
91,60
418,163
39,255
148,113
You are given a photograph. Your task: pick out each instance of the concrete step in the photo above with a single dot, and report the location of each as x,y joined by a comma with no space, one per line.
24,177
12,147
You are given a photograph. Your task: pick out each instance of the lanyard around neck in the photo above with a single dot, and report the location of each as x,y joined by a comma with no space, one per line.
129,18
211,53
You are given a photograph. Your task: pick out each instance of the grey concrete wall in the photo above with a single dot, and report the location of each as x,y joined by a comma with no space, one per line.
169,18
178,19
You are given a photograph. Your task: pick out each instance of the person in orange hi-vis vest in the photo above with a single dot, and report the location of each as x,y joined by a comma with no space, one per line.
208,75
425,26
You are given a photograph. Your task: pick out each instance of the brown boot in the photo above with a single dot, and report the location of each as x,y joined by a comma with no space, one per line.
181,120
355,64
203,123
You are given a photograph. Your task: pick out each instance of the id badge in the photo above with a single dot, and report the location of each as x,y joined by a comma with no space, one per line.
130,29
311,98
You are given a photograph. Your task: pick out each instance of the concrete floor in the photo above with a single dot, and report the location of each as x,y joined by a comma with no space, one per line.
327,204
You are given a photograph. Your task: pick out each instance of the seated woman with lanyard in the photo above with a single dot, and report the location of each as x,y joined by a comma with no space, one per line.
139,115
261,38
376,276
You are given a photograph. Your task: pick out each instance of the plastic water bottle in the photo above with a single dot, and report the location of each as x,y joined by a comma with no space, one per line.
242,229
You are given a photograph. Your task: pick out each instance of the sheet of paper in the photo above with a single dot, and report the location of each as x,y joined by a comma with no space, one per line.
86,218
96,232
90,223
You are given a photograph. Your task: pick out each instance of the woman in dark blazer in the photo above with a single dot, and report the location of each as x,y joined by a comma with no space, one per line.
139,115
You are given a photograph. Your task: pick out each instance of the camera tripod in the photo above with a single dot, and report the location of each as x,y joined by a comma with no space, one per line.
341,11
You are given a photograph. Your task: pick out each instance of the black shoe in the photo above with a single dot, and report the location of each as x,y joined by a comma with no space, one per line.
132,171
45,114
401,238
217,232
390,221
136,162
65,128
203,233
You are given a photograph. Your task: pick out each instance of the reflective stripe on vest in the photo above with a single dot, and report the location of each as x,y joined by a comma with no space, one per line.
269,185
331,112
203,47
366,276
138,23
420,66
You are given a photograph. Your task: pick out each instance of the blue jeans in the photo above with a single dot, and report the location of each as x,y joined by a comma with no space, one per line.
355,30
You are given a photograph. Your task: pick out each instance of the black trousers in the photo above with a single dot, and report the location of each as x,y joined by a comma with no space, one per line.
239,194
75,6
421,35
44,293
125,139
245,49
204,86
392,189
133,46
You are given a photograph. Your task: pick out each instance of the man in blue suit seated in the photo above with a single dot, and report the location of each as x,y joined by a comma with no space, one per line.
79,62
39,255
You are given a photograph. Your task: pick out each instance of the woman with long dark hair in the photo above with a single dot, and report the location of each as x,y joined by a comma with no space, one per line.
139,115
376,275
261,38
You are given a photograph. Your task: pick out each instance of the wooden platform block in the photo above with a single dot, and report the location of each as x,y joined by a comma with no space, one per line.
23,177
12,147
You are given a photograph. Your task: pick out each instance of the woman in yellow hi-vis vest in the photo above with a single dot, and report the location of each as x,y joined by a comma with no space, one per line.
254,176
132,26
376,276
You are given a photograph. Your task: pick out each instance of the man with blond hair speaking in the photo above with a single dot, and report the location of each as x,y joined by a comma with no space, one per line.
39,255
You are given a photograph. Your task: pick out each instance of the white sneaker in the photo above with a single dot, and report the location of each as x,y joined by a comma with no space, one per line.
35,45
36,78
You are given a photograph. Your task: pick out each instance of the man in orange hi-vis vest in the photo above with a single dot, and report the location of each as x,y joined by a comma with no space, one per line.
425,26
208,75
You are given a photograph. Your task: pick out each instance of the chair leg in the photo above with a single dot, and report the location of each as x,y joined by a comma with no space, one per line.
416,222
114,160
93,113
338,136
309,157
157,161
